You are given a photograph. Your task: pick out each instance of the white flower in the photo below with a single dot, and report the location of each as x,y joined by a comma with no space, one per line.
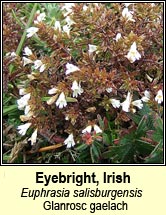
77,90
11,54
147,94
118,36
26,61
87,129
127,14
66,118
96,4
127,4
133,54
159,97
69,21
27,51
57,26
33,137
85,8
22,91
52,91
27,109
37,64
23,101
126,104
42,68
69,141
146,97
31,31
40,18
109,90
61,101
138,103
92,48
71,68
68,8
23,128
66,29
115,103
97,129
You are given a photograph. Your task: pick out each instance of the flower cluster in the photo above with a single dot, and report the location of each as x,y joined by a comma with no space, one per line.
90,68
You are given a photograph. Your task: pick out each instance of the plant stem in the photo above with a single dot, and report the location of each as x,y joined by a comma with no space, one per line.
19,48
47,148
17,19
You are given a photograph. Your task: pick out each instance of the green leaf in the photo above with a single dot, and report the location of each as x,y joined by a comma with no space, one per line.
156,156
158,134
70,99
121,153
128,138
6,99
17,19
135,117
95,153
44,99
6,158
101,122
81,147
142,128
150,121
145,111
144,148
84,154
124,152
9,109
107,137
